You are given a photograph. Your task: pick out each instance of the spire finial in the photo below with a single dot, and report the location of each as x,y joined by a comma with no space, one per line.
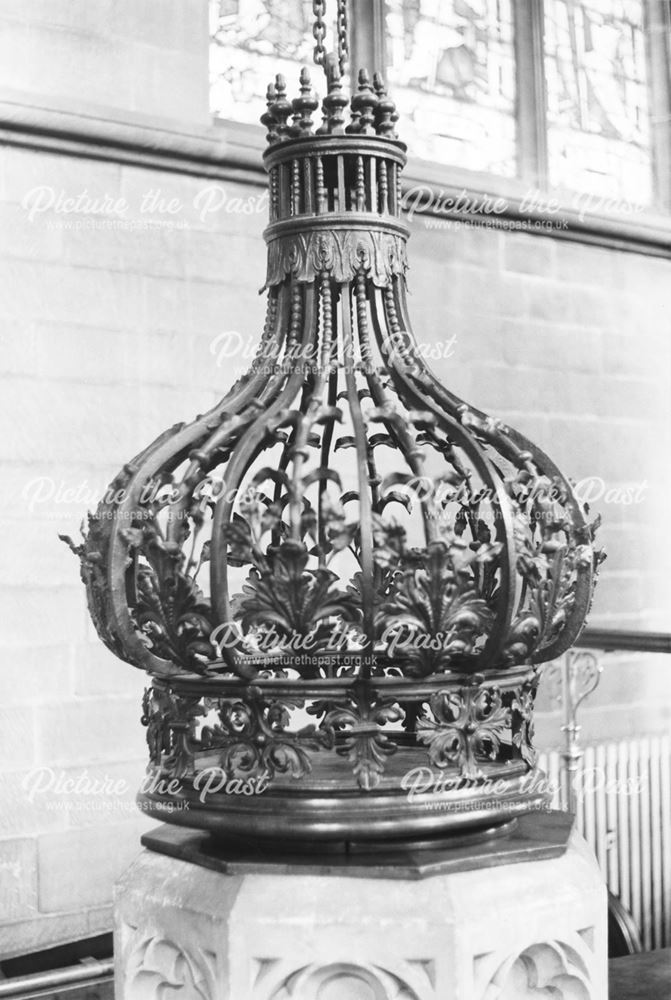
268,117
385,112
364,103
335,101
281,108
304,105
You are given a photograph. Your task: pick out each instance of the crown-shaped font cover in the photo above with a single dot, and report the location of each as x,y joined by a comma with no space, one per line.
342,578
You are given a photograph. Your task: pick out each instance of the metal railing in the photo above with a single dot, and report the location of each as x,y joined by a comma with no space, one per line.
622,640
629,831
577,676
88,974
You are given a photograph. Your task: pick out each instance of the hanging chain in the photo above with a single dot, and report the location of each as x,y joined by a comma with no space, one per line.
343,45
319,33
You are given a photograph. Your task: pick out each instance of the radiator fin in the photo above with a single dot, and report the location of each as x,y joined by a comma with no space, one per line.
623,810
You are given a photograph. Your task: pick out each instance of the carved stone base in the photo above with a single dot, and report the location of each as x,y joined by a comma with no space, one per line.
517,932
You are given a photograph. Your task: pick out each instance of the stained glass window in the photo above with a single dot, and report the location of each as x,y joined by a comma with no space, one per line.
598,97
451,70
250,42
452,74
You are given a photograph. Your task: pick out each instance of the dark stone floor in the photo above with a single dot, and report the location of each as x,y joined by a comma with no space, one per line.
641,977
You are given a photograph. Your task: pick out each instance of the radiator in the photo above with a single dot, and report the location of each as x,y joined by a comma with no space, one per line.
623,809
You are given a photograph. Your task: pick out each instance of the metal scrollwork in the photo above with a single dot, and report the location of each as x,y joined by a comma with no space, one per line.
253,737
574,678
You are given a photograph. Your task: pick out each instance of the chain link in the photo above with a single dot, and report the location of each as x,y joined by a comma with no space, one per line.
319,31
343,44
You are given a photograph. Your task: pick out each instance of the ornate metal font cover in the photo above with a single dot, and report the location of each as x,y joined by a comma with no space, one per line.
342,578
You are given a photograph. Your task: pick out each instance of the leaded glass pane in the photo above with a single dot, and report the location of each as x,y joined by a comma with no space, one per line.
250,42
451,71
598,98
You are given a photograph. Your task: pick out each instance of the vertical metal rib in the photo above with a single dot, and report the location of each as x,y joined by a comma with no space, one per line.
274,210
634,838
331,370
409,389
308,188
372,198
342,190
613,868
383,194
311,409
393,189
319,182
365,510
394,424
659,883
665,795
295,187
514,446
224,421
623,827
360,185
246,452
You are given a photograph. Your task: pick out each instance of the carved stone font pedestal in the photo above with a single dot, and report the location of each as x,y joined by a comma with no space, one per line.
520,931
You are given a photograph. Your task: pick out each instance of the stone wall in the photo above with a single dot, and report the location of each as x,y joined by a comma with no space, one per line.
144,56
569,343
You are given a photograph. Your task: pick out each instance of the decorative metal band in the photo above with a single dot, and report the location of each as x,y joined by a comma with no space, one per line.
343,254
464,727
336,145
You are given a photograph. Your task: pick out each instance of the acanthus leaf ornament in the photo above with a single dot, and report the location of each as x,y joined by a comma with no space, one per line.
522,708
342,254
171,723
